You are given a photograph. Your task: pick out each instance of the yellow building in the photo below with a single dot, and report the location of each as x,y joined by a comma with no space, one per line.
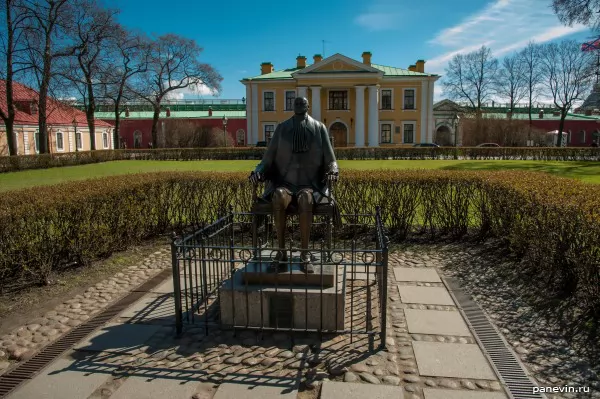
361,104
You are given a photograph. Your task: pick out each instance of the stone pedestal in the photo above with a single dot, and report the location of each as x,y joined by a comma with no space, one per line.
292,299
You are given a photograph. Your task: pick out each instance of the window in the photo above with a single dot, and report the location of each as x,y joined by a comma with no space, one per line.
386,133
290,96
338,100
37,142
409,133
386,99
582,137
60,145
105,140
137,139
269,130
78,142
241,137
269,101
409,99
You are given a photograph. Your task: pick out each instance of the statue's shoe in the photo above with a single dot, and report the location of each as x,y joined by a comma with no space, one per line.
278,267
307,267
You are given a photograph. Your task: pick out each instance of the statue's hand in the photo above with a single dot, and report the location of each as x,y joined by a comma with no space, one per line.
332,177
255,177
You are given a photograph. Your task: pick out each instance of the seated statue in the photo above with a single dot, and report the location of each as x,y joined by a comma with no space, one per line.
299,166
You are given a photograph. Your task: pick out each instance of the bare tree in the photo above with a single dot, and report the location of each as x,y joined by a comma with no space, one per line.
93,26
46,35
510,81
470,77
128,57
173,65
584,12
568,74
12,45
530,59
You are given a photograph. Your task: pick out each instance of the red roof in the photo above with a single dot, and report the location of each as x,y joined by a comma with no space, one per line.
58,112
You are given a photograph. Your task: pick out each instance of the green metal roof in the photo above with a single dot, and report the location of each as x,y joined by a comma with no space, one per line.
547,116
393,71
175,114
388,71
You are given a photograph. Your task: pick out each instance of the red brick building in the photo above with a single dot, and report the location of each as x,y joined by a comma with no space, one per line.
135,128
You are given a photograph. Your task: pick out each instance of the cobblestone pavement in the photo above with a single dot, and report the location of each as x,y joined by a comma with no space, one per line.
430,351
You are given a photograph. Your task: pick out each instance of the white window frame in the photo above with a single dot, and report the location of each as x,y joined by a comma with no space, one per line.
106,144
414,125
36,142
391,123
414,89
274,100
381,98
78,143
347,96
285,99
264,125
62,137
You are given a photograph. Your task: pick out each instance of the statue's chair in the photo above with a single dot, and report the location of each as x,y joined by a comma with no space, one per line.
261,208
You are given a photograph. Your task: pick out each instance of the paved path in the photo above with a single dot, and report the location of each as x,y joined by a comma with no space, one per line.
435,354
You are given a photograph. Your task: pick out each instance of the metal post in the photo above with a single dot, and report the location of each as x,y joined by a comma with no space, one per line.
176,285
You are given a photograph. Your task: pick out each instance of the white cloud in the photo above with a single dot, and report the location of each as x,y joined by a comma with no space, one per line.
502,25
190,91
377,21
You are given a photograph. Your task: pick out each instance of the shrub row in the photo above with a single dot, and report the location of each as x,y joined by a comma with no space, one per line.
24,162
551,223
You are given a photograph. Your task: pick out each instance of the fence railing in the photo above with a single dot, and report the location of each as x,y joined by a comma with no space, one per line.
221,281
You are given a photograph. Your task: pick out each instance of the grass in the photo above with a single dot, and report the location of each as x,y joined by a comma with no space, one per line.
586,171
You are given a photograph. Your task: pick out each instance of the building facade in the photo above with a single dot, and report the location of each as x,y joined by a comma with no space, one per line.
67,126
135,123
362,104
581,129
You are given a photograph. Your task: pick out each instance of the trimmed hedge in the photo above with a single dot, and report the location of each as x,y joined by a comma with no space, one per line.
552,223
25,162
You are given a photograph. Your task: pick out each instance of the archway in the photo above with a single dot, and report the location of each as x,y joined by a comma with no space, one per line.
339,132
443,136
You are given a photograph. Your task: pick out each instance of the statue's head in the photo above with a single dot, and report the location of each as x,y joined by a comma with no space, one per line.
301,105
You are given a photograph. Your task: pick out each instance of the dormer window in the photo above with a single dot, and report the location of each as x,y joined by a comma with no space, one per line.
34,109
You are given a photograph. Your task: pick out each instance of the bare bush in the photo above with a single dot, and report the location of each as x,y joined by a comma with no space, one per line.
505,132
187,134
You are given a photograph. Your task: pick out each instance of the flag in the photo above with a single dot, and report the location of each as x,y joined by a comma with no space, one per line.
591,46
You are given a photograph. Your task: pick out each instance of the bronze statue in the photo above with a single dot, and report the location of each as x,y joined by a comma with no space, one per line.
298,165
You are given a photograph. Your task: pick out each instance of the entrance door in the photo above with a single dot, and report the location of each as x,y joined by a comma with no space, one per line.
339,133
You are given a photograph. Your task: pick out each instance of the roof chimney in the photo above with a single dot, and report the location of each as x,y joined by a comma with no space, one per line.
412,68
168,111
266,67
209,111
509,114
317,58
366,56
421,66
301,61
588,112
541,114
555,113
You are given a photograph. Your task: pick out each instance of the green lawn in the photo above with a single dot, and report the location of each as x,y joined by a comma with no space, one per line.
586,171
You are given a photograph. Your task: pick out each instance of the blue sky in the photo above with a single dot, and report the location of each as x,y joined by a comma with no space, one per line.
238,35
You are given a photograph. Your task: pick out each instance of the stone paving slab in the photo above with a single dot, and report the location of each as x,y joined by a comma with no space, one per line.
145,388
151,308
417,274
425,295
262,388
452,360
459,394
346,390
436,322
62,380
118,338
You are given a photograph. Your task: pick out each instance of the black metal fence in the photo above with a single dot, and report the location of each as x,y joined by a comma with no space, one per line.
222,281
